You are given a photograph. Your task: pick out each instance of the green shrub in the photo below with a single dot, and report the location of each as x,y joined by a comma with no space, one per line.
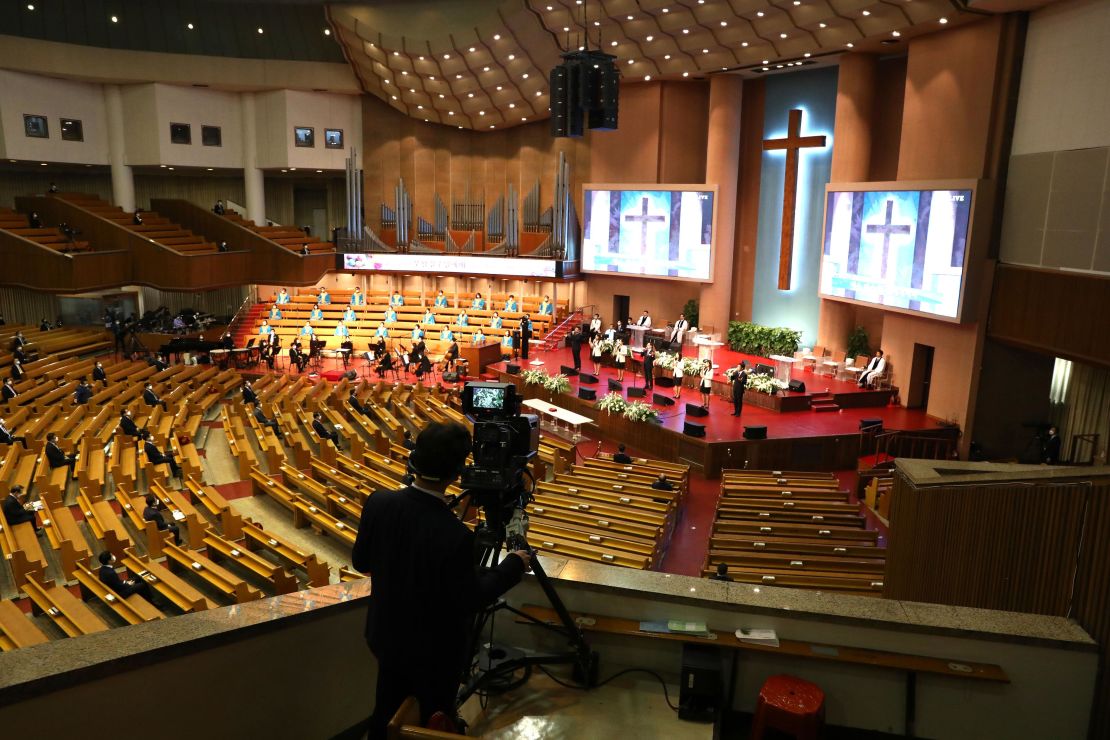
858,343
692,312
753,339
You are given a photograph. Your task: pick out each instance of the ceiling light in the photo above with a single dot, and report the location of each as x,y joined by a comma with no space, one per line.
782,35
171,169
285,170
470,95
327,31
597,23
512,57
524,118
492,126
471,50
446,56
292,169
481,112
766,69
797,2
823,25
441,95
499,87
421,58
319,170
450,112
629,17
649,38
550,8
759,14
686,30
647,78
411,90
724,23
942,21
30,7
161,165
404,72
778,66
766,61
524,76
420,107
115,19
496,37
666,10
458,77
512,105
432,78
260,30
485,69
612,43
190,27
539,93
394,97
685,74
744,44
850,45
631,61
396,53
866,13
808,55
566,29
666,56
895,34
705,51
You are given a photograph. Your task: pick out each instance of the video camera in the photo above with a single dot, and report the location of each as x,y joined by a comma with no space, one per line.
504,439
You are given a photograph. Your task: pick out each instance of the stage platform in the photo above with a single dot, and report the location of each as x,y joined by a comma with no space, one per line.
801,438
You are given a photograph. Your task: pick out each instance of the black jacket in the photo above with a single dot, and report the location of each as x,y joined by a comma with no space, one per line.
15,513
56,456
739,384
153,514
82,394
128,426
99,374
249,396
9,393
427,589
322,430
151,398
154,455
7,436
110,578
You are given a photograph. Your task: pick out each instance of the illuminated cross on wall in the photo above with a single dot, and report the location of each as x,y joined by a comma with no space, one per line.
644,219
792,143
886,229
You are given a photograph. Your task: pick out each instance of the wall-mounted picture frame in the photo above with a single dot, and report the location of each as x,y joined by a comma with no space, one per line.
72,129
211,136
333,138
304,136
181,133
36,126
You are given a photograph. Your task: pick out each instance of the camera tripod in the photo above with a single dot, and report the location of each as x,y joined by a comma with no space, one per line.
492,536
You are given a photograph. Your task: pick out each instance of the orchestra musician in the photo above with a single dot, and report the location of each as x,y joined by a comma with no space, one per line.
296,356
451,355
385,363
379,348
346,347
271,348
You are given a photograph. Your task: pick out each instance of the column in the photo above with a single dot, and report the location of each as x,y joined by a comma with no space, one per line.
722,166
123,181
253,184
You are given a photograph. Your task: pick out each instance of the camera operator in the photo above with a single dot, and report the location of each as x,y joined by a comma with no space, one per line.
427,588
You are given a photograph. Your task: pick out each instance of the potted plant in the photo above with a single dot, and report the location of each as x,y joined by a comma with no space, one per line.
612,402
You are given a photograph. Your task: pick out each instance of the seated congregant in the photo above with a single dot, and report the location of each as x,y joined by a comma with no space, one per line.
507,343
265,328
390,315
417,333
478,337
123,588
275,312
495,321
349,314
447,335
382,330
462,319
307,330
341,330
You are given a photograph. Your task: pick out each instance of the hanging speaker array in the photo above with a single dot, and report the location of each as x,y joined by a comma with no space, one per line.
585,88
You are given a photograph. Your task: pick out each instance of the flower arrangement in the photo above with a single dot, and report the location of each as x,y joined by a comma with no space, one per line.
534,377
557,383
613,402
639,411
607,345
765,384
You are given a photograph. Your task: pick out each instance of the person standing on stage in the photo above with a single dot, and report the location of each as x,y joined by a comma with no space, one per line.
525,336
620,358
649,367
575,342
676,373
706,383
595,352
595,325
739,385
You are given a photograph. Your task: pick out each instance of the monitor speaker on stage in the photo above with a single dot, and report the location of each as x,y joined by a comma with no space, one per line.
755,432
872,423
450,377
691,429
587,394
660,400
797,386
615,385
512,369
350,375
637,393
763,370
586,378
568,371
665,381
692,409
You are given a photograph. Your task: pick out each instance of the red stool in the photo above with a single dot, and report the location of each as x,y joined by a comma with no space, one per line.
789,704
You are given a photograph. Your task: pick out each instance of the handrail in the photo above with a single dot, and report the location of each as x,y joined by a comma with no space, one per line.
249,300
548,342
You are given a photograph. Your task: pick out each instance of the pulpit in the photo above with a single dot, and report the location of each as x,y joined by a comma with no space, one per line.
783,366
707,345
637,339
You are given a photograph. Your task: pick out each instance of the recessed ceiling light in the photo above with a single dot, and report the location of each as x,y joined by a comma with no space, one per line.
808,55
496,37
485,69
895,34
778,66
686,30
446,56
115,19
759,14
666,10
942,21
481,112
524,76
685,74
539,93
866,13
550,8
649,38
782,35
512,105
394,97
421,58
396,53
597,23
492,126
327,31
705,51
511,57
260,30
292,169
612,43
404,72
629,17
458,77
666,56
566,29
850,45
161,165
744,43
42,164
724,23
524,118
412,90
499,87
766,69
631,61
441,95
171,169
766,61
647,78
472,50
797,2
29,7
822,25
470,95
450,112
420,107
189,26
285,170
319,170
432,78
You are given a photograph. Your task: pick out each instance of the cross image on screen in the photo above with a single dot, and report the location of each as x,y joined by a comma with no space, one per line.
658,233
903,249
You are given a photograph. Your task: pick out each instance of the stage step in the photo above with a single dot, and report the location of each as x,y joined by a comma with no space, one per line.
824,405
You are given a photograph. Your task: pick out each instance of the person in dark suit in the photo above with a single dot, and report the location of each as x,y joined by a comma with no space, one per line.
249,396
575,340
127,424
356,404
323,430
99,374
662,484
385,364
153,513
721,574
1051,450
151,398
9,392
17,370
297,356
55,455
621,456
156,457
18,341
525,336
427,590
261,418
16,510
408,442
226,341
8,435
159,363
83,393
739,385
649,367
110,578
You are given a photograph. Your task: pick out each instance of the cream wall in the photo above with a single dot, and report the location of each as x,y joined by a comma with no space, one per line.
320,111
32,94
197,107
1064,100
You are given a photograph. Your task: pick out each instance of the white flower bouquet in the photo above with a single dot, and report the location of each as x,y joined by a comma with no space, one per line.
639,411
534,377
613,403
557,383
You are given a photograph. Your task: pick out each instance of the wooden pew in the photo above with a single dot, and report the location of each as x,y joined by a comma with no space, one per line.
172,588
16,628
255,538
67,612
62,532
219,578
281,580
105,526
133,610
20,547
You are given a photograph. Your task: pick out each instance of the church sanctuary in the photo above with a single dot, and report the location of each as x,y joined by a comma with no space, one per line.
555,369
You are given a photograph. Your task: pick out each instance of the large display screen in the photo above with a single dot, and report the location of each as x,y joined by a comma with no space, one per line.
656,232
902,249
452,264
